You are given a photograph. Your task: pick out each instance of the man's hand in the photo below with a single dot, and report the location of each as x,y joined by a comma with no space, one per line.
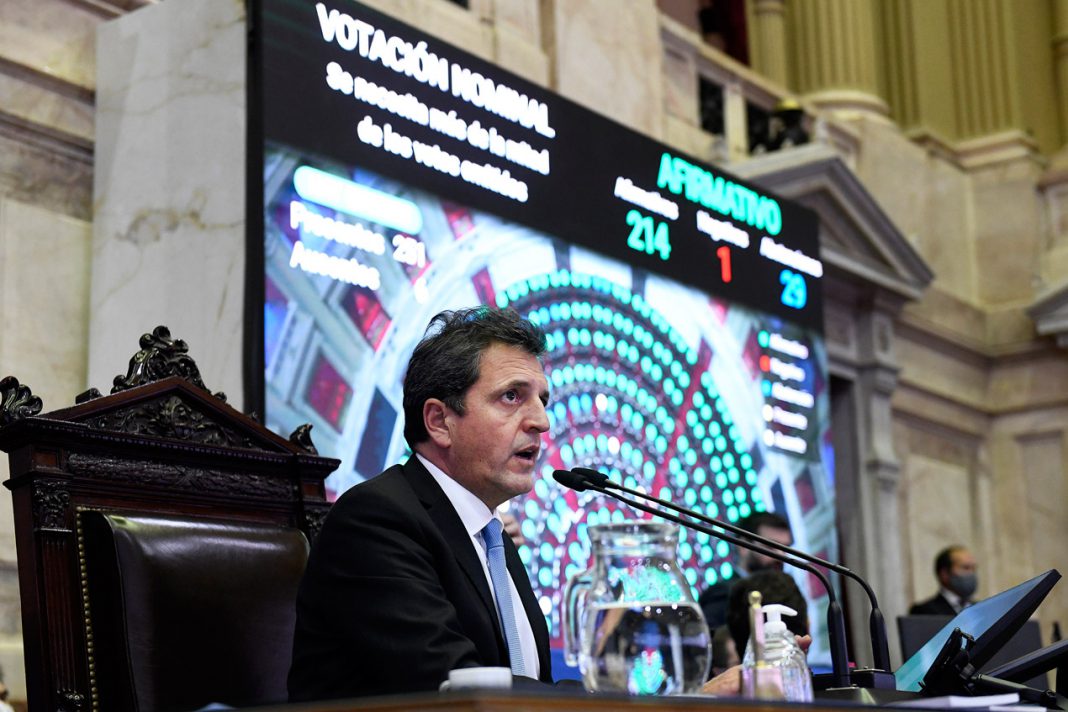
727,684
512,529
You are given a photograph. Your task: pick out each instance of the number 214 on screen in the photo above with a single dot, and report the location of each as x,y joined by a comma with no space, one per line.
648,235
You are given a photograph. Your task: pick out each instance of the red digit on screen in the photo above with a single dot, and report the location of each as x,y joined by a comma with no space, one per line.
724,255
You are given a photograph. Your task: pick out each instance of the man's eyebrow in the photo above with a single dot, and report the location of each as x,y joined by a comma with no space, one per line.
516,384
526,385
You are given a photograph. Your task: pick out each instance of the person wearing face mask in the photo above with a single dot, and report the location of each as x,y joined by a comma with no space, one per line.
955,570
714,599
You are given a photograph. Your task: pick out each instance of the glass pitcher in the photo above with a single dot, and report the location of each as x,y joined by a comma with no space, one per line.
631,619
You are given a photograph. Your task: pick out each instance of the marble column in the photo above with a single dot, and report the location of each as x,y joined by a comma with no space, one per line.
169,188
769,35
980,47
873,535
833,44
604,56
900,40
1060,63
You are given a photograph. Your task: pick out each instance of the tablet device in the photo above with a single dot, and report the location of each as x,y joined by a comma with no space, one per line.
991,622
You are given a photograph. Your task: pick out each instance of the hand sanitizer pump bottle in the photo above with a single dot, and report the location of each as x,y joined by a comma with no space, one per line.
782,652
760,680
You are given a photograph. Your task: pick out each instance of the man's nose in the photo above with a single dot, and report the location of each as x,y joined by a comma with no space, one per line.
539,419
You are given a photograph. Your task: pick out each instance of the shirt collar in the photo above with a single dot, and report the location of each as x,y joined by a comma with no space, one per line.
473,512
953,598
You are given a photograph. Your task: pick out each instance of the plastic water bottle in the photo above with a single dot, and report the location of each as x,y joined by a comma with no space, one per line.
781,651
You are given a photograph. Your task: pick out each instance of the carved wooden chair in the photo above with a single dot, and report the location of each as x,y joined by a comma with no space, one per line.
160,537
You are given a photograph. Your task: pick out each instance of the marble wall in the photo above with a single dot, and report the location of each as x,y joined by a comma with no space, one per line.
47,80
979,410
169,198
44,289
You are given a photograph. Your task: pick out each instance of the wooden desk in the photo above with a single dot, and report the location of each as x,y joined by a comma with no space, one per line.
550,701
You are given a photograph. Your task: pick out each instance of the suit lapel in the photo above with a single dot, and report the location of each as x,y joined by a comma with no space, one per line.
448,522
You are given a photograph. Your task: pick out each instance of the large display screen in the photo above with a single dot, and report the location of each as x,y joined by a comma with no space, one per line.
403,176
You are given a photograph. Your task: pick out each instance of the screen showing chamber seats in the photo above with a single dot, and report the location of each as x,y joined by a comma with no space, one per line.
682,307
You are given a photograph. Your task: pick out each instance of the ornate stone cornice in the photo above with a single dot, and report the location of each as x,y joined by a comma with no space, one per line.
858,240
109,9
1050,313
48,81
59,144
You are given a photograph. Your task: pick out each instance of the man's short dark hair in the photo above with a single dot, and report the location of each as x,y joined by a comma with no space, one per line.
944,560
774,587
754,521
446,361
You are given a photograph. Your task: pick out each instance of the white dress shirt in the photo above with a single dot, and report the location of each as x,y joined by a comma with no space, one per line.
955,601
475,515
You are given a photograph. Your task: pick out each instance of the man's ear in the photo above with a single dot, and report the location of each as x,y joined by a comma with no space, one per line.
435,420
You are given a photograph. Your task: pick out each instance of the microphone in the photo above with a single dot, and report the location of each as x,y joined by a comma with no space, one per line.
880,647
835,618
578,480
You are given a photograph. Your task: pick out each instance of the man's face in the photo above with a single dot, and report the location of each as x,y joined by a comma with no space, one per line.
491,449
961,574
754,562
963,563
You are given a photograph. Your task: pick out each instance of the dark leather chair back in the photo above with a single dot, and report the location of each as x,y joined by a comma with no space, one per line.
160,536
189,611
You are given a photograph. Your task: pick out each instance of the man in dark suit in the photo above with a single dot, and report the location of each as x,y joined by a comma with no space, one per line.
714,599
407,580
955,570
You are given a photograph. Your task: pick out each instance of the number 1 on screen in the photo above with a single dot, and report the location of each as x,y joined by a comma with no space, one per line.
724,254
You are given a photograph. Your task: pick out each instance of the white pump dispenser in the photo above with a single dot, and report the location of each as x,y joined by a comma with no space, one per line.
773,613
781,651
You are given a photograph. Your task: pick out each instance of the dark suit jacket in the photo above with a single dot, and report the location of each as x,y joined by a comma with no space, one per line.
714,600
936,606
394,595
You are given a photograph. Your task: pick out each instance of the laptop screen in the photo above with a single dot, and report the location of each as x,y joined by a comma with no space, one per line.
991,622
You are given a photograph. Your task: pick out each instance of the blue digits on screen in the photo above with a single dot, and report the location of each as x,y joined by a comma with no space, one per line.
794,290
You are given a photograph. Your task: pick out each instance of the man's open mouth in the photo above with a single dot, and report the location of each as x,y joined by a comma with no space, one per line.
528,453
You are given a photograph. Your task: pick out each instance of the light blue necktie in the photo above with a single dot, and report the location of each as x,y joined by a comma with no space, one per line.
491,536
